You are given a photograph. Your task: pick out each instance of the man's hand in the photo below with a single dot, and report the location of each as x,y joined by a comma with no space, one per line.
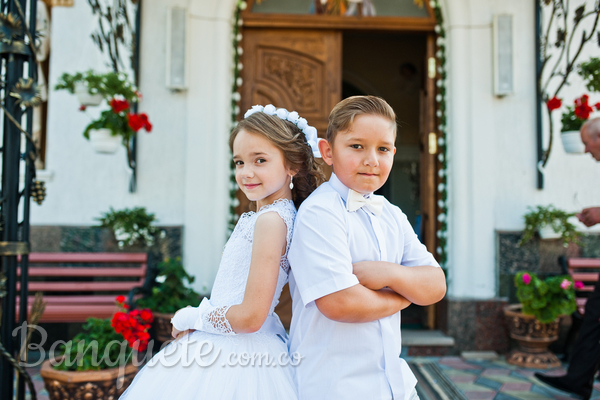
371,275
589,216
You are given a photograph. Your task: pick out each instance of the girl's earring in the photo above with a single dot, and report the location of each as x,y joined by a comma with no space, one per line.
291,183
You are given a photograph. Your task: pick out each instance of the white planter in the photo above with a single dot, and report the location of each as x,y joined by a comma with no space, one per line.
103,141
86,99
547,232
572,143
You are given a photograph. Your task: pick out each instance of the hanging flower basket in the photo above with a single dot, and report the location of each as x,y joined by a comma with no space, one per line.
547,232
84,97
103,141
572,143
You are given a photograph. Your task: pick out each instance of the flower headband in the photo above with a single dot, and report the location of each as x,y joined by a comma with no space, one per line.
310,132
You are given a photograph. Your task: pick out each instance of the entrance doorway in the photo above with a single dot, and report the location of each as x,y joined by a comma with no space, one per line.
392,66
310,69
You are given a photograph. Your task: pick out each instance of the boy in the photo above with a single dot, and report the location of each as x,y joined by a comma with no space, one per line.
356,262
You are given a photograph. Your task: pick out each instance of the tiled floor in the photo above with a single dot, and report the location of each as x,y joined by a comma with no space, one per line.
476,380
497,380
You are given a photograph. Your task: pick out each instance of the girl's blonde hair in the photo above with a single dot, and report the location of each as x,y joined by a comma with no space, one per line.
343,114
297,153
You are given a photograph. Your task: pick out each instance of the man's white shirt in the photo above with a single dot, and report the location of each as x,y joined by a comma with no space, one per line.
347,360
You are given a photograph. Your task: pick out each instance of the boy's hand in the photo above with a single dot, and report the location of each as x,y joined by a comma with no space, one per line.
179,334
371,275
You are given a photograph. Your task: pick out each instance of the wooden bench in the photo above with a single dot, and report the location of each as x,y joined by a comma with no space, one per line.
586,270
77,286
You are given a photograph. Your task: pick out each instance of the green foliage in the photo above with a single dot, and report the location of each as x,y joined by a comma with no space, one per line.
590,72
97,347
171,294
570,121
130,226
545,300
108,85
549,216
116,123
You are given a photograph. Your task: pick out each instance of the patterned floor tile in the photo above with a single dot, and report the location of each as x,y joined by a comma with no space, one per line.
488,383
516,386
528,395
475,395
495,372
508,379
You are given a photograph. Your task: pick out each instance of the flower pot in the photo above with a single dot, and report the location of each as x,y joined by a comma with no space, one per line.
84,97
103,141
547,232
572,143
533,339
88,385
162,326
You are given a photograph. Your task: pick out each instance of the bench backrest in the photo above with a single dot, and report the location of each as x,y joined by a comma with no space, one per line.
587,271
66,272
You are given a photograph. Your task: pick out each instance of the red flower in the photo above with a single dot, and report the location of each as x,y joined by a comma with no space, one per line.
554,103
579,285
582,108
139,121
146,315
82,107
597,105
119,105
120,299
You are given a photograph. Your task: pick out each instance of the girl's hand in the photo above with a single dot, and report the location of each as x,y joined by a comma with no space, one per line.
179,334
372,275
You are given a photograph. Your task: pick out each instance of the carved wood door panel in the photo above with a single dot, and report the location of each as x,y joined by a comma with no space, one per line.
296,69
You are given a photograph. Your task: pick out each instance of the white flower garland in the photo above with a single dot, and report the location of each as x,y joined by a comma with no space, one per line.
309,131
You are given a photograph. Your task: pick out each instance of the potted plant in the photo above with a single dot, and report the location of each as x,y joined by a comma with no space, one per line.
91,87
572,120
97,364
131,226
115,125
550,223
169,295
534,322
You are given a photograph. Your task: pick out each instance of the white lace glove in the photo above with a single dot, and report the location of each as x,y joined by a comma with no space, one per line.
205,318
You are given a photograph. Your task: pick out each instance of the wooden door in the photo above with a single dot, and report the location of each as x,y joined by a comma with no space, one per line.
296,69
428,146
299,70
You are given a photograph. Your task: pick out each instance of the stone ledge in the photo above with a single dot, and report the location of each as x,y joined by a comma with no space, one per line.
413,338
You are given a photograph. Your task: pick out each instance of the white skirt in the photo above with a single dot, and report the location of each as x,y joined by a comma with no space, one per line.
205,366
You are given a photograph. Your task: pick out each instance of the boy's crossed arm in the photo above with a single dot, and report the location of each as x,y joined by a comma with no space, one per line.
361,304
422,285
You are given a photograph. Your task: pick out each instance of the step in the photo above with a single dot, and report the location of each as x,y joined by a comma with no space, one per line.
412,338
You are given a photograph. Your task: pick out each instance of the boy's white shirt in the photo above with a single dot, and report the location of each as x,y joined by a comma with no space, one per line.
347,360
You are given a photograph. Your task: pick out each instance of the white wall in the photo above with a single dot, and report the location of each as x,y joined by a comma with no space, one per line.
182,164
492,145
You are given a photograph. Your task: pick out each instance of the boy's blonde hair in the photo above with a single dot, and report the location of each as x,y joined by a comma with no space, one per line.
343,114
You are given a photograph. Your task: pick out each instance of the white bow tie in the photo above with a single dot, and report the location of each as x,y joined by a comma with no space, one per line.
373,203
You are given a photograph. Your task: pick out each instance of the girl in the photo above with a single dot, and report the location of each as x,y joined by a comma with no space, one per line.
237,348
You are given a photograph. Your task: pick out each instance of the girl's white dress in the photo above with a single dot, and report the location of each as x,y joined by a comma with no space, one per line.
204,365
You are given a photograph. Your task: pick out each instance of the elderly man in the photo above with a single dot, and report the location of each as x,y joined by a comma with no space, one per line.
585,361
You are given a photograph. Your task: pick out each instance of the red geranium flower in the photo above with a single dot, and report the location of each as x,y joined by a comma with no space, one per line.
82,107
597,105
120,299
554,103
119,105
139,121
582,108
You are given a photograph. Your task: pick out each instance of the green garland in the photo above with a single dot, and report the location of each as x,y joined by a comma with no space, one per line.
441,115
235,108
442,233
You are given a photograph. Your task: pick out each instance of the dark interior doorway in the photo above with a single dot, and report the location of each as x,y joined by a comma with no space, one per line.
393,66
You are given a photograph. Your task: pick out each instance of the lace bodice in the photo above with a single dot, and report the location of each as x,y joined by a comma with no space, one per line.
230,283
